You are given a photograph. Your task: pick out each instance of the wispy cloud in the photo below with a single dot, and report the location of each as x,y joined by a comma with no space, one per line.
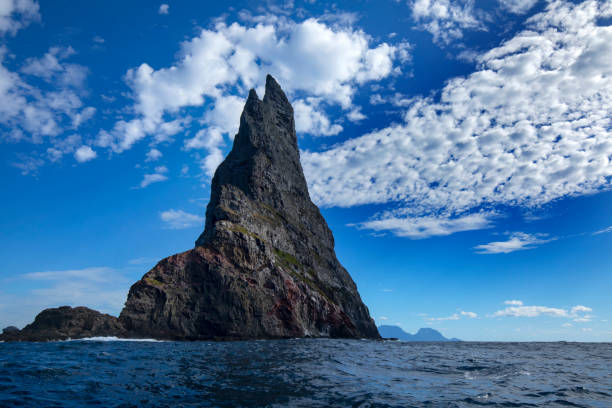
428,226
518,241
179,219
101,287
97,274
603,231
159,175
454,316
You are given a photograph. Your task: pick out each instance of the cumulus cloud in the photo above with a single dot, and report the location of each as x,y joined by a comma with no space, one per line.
179,219
17,14
531,125
517,309
446,19
516,242
322,63
164,9
84,153
471,315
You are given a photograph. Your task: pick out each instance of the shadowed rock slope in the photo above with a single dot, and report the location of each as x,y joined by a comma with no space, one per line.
265,265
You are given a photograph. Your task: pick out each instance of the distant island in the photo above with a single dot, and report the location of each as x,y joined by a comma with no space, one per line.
424,334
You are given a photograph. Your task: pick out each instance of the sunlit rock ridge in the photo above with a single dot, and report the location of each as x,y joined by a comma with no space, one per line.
265,265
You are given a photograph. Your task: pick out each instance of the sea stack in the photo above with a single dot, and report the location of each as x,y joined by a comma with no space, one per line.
265,265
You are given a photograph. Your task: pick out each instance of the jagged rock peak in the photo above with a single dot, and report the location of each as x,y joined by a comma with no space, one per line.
264,267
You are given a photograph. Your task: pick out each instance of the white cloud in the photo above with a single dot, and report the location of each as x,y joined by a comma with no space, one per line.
152,178
580,308
323,63
519,310
164,9
179,219
17,14
427,226
383,318
531,311
100,288
93,273
531,125
518,6
309,118
577,313
518,241
454,316
41,114
567,325
603,231
446,19
153,155
156,177
84,153
471,315
356,115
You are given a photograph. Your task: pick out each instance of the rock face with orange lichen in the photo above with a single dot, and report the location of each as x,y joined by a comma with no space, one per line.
265,265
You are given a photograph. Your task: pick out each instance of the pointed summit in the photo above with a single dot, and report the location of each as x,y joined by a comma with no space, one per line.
275,95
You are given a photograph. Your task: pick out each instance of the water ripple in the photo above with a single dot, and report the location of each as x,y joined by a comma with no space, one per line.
309,372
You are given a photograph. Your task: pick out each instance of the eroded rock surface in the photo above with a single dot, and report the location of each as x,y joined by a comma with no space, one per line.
265,265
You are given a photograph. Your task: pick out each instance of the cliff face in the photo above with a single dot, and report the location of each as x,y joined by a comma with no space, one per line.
265,265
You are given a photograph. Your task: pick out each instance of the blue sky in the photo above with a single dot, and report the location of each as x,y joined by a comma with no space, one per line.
460,151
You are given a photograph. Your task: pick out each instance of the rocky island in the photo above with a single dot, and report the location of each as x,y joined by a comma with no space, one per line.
264,267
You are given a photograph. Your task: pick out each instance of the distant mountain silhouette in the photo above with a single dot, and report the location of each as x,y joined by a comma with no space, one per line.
424,334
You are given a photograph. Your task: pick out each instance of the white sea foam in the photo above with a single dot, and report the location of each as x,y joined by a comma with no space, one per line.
112,338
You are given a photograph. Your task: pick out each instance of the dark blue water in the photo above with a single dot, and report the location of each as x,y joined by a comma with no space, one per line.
308,373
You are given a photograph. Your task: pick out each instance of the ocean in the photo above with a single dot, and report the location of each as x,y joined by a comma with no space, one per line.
305,373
